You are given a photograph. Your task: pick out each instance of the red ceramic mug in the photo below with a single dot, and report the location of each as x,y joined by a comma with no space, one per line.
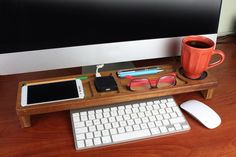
196,55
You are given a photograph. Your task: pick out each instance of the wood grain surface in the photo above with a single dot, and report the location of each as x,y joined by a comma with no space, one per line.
51,134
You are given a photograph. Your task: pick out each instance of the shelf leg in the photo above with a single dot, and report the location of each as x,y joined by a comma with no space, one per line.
208,94
25,121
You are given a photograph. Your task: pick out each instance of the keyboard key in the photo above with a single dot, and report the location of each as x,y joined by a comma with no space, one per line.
79,124
100,127
136,127
141,115
96,121
106,139
92,128
128,106
115,124
111,119
163,101
128,111
156,106
113,131
89,135
80,137
131,135
162,111
173,114
163,105
149,108
158,123
155,112
91,112
156,101
145,119
163,129
81,130
80,144
168,110
99,115
84,118
106,109
177,120
148,113
155,131
104,120
177,126
135,110
165,122
114,109
137,121
89,123
126,117
130,122
151,124
170,104
97,134
159,117
108,126
97,141
106,114
84,113
123,123
142,109
135,105
186,126
76,119
119,118
152,118
134,116
171,129
99,111
121,130
150,102
166,116
91,117
113,113
89,142
128,128
105,133
143,126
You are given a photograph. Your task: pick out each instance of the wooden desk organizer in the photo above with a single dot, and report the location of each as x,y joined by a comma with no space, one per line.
94,98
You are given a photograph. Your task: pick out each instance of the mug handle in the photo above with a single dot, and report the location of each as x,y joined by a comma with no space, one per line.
217,52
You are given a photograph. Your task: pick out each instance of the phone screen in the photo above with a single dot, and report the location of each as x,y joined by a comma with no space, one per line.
52,92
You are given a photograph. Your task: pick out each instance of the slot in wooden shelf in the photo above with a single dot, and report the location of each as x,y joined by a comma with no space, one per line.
122,94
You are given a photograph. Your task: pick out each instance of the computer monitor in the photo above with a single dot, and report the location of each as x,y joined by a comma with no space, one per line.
53,34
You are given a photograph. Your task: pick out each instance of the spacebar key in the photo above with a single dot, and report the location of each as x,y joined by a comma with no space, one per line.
131,135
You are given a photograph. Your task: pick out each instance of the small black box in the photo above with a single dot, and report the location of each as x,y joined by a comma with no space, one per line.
105,84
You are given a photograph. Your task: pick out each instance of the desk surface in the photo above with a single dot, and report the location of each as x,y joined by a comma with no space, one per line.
51,134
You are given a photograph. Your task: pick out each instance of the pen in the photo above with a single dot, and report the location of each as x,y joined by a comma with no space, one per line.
140,72
130,71
82,77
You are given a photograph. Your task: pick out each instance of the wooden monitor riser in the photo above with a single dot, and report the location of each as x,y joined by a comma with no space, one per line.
123,94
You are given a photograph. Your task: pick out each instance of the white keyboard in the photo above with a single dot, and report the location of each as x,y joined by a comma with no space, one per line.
95,127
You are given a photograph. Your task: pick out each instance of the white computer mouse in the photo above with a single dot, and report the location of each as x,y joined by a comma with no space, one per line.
202,113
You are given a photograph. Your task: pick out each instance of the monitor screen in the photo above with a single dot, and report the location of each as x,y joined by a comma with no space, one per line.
104,31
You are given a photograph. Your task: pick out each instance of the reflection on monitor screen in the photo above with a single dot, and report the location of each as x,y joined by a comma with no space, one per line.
54,34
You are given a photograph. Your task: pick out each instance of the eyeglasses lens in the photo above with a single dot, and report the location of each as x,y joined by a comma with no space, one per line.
139,84
166,81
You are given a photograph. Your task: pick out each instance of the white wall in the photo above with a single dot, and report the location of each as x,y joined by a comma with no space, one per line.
228,17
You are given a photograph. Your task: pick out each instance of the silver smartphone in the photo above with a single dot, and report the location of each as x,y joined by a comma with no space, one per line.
51,92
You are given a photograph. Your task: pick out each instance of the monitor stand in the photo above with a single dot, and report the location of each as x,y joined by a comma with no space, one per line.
108,67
